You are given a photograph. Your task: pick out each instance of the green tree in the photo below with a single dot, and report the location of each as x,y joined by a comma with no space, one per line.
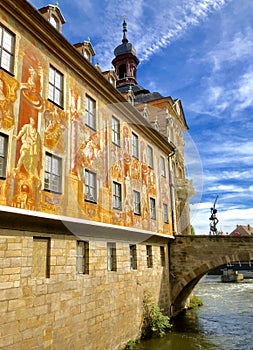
192,230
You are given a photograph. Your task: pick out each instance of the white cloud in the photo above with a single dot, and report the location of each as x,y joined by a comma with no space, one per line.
228,219
152,26
244,92
226,188
230,51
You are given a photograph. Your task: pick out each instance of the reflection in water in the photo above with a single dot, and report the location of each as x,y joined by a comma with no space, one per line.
225,322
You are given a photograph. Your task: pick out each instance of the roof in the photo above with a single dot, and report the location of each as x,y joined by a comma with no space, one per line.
125,47
242,230
55,8
141,94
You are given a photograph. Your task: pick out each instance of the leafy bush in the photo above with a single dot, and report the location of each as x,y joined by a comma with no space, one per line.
195,302
130,345
154,322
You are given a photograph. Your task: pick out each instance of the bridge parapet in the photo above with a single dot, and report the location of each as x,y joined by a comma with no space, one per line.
191,257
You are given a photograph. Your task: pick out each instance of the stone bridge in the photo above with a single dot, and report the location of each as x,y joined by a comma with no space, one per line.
191,257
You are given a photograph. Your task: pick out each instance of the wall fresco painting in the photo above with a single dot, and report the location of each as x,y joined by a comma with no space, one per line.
42,125
28,166
55,120
8,95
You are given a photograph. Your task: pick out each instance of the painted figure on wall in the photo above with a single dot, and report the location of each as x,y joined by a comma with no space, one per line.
144,201
89,152
32,87
2,94
128,200
55,126
74,119
30,149
8,87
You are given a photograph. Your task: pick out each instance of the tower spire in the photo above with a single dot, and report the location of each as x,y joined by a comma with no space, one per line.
125,61
124,40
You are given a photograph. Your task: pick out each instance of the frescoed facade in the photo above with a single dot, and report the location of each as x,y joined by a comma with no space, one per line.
87,198
63,128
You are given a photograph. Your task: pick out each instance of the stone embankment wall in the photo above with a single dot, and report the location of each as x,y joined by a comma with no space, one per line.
98,310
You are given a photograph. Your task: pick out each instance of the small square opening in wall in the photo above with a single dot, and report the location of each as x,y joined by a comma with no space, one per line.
133,256
111,257
162,255
41,257
149,256
82,257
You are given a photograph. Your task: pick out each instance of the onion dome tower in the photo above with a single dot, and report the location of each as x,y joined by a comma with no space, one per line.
125,61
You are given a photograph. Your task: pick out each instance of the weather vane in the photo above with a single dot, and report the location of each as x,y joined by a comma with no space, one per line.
214,220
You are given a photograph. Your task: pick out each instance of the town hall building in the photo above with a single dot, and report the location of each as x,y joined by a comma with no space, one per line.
92,188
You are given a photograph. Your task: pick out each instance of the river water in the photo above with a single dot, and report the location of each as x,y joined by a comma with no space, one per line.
225,322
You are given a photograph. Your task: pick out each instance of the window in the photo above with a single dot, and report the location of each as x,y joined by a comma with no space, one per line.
7,44
55,92
53,21
152,208
41,257
82,257
133,256
112,80
135,146
137,203
115,131
90,110
117,199
90,186
86,54
3,155
165,214
162,255
122,71
162,165
53,173
149,256
111,257
150,157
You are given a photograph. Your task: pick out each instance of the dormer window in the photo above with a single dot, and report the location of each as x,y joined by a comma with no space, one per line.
54,16
86,49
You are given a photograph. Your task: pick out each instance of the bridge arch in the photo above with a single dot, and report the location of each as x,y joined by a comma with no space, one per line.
191,257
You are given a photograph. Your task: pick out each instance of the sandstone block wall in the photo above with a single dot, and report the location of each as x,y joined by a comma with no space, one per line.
99,310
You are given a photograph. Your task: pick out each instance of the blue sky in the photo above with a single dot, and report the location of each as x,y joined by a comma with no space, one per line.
201,52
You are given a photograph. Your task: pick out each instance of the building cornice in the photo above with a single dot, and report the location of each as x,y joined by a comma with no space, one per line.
28,220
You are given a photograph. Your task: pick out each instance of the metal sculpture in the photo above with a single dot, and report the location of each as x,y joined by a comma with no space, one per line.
214,220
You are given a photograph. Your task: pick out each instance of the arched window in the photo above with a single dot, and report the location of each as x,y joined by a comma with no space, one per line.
86,54
122,71
53,20
112,80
